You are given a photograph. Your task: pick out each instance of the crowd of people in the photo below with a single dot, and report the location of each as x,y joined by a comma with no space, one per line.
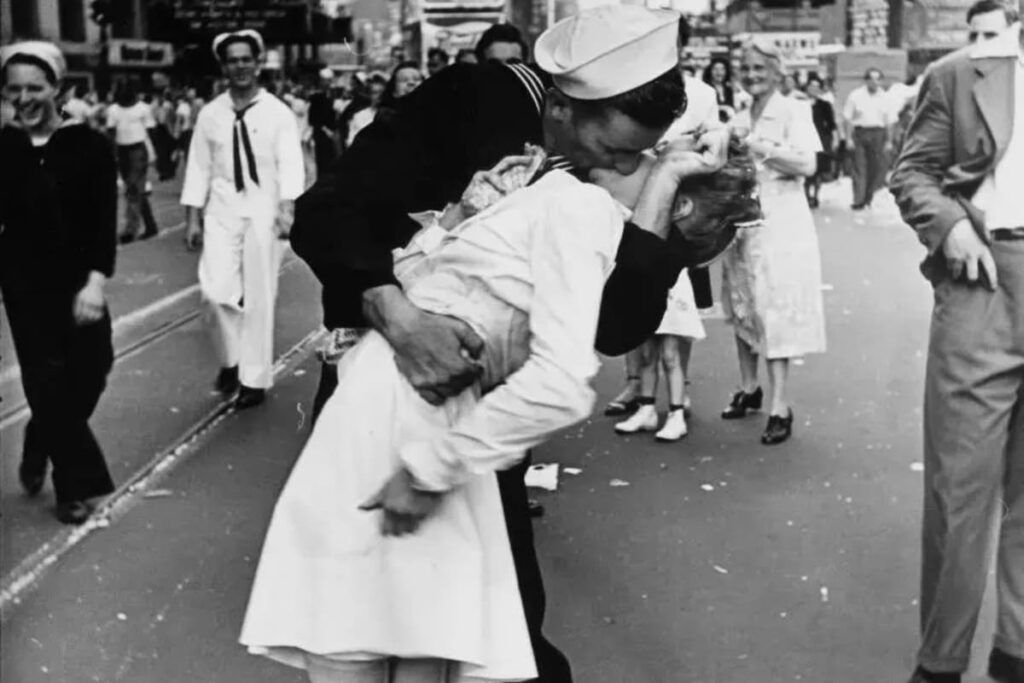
478,246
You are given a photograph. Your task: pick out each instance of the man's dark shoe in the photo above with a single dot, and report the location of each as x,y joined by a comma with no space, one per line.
249,397
227,380
1005,668
922,675
74,512
536,508
858,207
742,403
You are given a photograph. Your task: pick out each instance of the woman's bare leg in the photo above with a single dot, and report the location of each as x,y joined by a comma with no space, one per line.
778,376
748,366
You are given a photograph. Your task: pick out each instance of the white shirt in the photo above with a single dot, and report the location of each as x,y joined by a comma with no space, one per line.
701,110
210,175
183,114
864,110
361,119
1000,193
527,275
130,124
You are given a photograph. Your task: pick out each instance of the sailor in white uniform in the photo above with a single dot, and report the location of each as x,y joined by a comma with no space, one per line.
244,172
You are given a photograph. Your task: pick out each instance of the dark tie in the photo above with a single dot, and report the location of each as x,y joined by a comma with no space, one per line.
249,158
553,162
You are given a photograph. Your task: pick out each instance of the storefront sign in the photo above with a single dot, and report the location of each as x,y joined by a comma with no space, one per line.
798,49
281,21
140,53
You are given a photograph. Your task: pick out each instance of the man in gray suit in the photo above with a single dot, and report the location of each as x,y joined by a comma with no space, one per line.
959,184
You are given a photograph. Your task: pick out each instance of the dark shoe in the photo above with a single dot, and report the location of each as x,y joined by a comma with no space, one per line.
742,403
227,380
149,233
249,397
74,512
32,476
126,239
535,508
858,207
923,676
619,408
1004,667
778,430
814,202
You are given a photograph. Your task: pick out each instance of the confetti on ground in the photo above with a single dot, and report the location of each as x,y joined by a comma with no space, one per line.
720,570
572,470
917,467
824,594
175,410
543,476
121,616
158,493
618,483
798,361
707,487
300,373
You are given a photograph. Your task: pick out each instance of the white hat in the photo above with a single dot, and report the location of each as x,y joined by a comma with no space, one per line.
327,72
607,51
247,34
47,53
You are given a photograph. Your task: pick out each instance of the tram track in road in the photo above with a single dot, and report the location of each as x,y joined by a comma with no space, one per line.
17,582
20,410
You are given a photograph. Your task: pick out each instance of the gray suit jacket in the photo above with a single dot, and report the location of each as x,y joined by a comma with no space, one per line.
960,129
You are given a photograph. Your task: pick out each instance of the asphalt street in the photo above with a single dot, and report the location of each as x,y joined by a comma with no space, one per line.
712,560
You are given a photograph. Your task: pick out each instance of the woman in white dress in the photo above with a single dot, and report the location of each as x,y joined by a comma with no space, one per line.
336,596
771,285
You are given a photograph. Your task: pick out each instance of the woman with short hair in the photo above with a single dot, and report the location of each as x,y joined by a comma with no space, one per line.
58,214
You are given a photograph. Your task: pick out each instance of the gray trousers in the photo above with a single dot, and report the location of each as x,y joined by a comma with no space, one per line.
869,163
974,464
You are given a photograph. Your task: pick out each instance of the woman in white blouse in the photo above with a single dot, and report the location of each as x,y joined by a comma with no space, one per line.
335,596
771,287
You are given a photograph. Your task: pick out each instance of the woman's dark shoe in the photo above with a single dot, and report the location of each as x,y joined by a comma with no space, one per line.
618,408
779,429
742,403
249,397
74,512
1004,667
32,475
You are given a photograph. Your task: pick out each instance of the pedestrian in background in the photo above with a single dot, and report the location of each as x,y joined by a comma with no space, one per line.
824,117
958,185
437,59
376,85
771,276
323,122
163,140
244,171
869,123
718,75
130,123
501,43
466,56
58,236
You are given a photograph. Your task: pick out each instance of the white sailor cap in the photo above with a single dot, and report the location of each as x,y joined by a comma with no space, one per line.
247,35
41,51
610,50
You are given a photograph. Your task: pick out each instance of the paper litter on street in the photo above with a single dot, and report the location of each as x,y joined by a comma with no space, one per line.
618,482
572,470
707,487
720,569
917,467
543,476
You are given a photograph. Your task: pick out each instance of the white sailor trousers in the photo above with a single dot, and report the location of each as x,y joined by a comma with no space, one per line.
238,273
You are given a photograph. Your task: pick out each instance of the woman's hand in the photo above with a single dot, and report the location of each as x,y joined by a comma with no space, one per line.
403,507
90,302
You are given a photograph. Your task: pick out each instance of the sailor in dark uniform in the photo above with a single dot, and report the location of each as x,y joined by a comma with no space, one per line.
608,91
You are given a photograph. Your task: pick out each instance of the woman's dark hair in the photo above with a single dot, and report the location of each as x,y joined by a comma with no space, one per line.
126,94
655,104
814,79
499,33
439,53
21,58
222,49
711,66
722,202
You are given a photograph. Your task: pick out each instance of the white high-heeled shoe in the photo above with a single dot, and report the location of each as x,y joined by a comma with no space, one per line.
645,419
674,428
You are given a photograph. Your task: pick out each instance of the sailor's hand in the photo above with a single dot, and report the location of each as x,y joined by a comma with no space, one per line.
285,218
194,235
403,507
436,353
